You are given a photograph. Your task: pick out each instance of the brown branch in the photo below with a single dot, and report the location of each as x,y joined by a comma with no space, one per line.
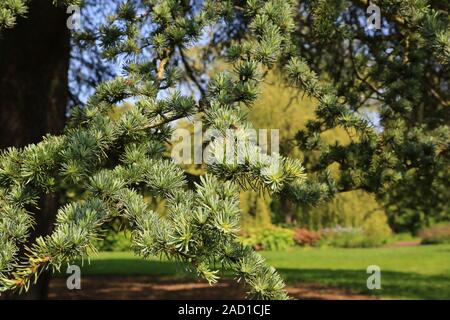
190,72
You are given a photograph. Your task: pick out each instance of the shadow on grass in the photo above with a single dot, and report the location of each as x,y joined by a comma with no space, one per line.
393,284
136,267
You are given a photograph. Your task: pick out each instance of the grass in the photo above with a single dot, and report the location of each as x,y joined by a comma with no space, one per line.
421,272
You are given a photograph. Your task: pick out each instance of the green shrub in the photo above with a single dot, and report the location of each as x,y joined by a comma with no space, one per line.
348,209
376,231
115,241
272,238
342,237
435,235
365,237
255,209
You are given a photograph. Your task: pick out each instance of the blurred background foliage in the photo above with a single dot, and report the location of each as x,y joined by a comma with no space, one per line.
351,219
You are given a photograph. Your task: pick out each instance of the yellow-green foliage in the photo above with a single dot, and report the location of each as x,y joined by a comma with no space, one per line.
357,212
349,209
255,209
376,226
269,238
287,110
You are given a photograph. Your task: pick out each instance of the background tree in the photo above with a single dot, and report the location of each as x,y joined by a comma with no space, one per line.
396,77
34,65
387,88
289,111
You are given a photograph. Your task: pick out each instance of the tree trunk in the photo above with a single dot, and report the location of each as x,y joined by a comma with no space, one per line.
288,210
34,63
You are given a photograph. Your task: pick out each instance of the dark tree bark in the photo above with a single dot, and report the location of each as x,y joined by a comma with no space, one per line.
34,63
288,210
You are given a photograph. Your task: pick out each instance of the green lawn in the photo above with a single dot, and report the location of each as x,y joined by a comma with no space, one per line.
410,272
421,272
